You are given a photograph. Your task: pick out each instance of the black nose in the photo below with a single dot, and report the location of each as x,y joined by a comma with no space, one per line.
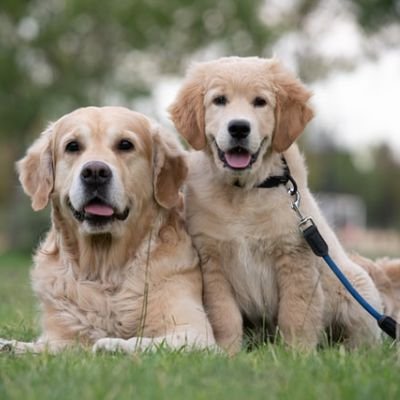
239,128
96,173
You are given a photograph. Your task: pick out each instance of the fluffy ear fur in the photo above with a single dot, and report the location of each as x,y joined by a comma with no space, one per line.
187,111
36,171
170,171
292,113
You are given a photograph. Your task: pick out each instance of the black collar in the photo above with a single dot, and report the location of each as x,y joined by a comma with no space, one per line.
276,180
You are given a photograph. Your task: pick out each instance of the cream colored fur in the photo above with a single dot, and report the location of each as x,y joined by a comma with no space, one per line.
255,262
385,272
134,284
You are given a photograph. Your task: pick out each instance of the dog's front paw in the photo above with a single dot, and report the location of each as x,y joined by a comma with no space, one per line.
109,345
121,345
6,345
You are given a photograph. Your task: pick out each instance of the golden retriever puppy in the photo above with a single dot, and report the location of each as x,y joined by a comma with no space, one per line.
117,268
243,115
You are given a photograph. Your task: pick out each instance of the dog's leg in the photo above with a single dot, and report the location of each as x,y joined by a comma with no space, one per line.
301,305
359,327
188,340
14,346
124,345
222,309
17,347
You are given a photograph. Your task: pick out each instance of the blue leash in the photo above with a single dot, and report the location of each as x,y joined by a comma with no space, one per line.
346,283
320,249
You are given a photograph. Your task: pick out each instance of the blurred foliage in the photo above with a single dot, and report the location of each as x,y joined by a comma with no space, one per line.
373,14
57,55
335,170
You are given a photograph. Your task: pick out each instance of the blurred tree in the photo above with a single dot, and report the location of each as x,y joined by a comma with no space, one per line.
58,55
333,170
373,14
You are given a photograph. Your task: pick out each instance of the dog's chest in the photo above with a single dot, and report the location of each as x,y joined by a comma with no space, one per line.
245,233
95,309
251,273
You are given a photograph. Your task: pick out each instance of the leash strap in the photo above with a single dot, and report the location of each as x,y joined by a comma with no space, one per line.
320,248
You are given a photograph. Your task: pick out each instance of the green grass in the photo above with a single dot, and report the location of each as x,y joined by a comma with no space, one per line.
17,304
270,372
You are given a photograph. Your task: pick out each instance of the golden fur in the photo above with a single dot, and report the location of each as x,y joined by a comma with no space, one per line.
385,272
255,262
129,284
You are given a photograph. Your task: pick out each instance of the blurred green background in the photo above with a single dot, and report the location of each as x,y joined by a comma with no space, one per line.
57,55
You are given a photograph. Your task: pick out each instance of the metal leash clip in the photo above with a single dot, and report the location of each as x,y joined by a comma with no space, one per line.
305,222
306,225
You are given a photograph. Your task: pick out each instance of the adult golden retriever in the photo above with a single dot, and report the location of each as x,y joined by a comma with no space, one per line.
244,115
117,268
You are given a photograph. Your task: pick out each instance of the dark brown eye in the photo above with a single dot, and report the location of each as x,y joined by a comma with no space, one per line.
72,147
125,145
220,100
259,102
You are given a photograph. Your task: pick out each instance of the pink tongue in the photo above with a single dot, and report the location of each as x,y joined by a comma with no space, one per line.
238,160
99,209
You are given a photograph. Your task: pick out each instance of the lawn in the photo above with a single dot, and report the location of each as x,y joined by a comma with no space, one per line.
270,372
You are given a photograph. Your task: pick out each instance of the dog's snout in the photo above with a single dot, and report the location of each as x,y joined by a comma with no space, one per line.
239,128
96,173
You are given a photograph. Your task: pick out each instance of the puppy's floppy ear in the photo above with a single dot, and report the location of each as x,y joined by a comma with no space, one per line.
36,171
170,171
187,111
292,113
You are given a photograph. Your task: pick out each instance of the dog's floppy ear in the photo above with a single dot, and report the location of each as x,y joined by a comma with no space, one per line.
170,171
292,111
36,171
187,111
